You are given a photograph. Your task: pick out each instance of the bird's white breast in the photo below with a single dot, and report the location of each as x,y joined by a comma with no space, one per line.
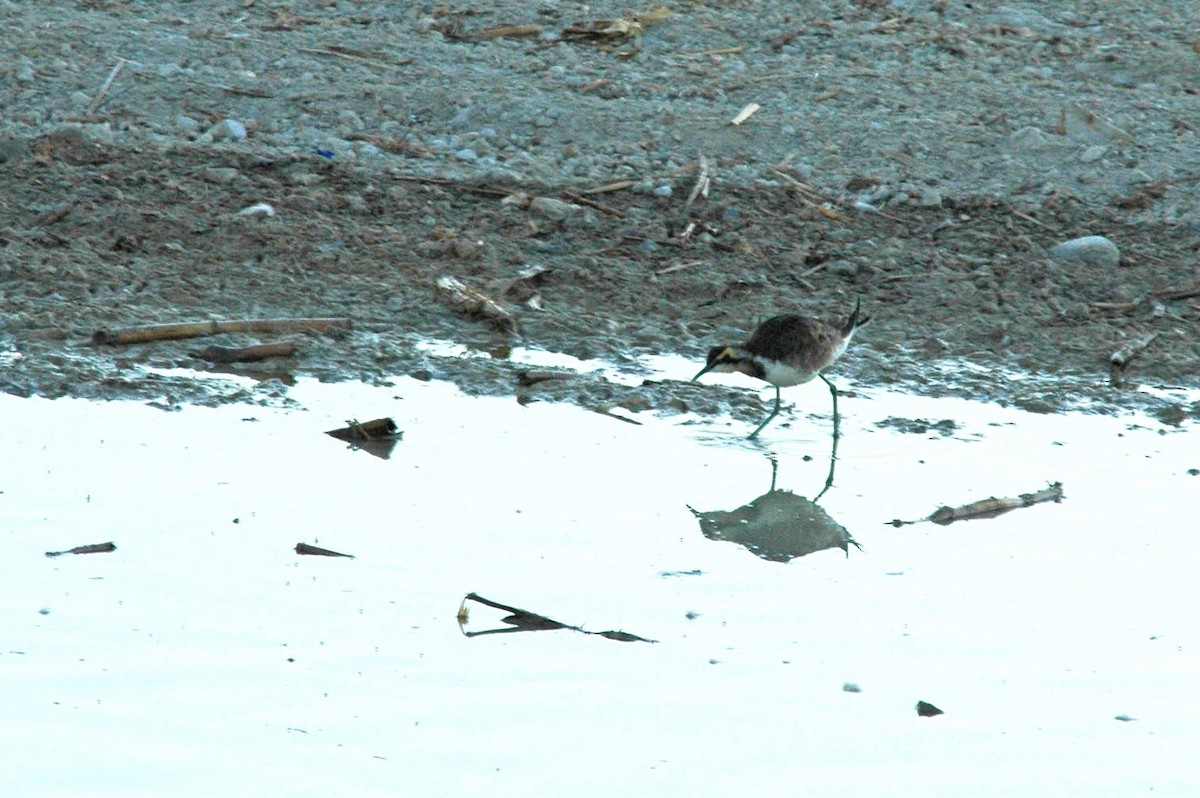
783,375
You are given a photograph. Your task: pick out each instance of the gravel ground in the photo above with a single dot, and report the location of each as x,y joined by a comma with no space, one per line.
184,161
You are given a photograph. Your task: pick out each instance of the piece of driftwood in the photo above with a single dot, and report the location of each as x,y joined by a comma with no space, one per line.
1120,359
374,430
245,354
471,302
990,507
198,329
378,436
505,31
520,620
608,32
91,548
304,548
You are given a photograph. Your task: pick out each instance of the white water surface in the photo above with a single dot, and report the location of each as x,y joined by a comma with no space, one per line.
205,657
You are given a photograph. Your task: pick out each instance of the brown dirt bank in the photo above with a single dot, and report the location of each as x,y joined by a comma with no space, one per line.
103,238
920,154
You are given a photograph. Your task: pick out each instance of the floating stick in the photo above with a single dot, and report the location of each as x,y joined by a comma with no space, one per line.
990,507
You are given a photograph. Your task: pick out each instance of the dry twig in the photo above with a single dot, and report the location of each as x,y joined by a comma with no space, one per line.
990,507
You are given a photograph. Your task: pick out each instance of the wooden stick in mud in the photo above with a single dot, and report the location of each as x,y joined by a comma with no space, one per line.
473,302
197,329
990,507
116,70
1121,358
245,354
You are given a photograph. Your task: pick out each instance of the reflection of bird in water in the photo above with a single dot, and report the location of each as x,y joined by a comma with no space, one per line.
779,525
785,351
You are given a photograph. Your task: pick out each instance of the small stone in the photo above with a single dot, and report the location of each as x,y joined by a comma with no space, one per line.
851,687
553,208
1093,153
468,248
929,198
187,125
350,119
663,191
97,133
1029,138
1093,250
1081,124
227,129
220,174
842,268
467,154
305,179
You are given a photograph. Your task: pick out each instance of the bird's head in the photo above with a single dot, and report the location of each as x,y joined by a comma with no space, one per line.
727,359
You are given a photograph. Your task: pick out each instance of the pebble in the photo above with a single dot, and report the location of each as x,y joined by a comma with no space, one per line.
99,133
1093,153
842,268
664,191
1029,138
1094,250
351,120
553,208
220,174
226,129
187,125
929,198
305,179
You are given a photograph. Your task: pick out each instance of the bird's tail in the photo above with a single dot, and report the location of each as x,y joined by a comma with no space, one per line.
856,320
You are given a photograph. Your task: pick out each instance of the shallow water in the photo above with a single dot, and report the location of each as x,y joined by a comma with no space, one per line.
205,656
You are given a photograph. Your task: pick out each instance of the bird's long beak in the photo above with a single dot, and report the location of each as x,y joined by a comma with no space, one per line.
703,371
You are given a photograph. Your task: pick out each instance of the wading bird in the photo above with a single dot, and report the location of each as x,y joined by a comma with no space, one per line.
785,351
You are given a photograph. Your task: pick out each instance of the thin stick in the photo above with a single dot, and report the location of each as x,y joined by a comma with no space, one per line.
196,329
703,181
1029,218
337,52
750,110
591,203
121,62
620,185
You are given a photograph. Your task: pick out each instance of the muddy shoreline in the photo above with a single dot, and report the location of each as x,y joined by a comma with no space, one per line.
108,223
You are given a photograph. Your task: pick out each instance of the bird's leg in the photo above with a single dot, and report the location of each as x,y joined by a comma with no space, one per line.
833,450
833,393
767,420
832,465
